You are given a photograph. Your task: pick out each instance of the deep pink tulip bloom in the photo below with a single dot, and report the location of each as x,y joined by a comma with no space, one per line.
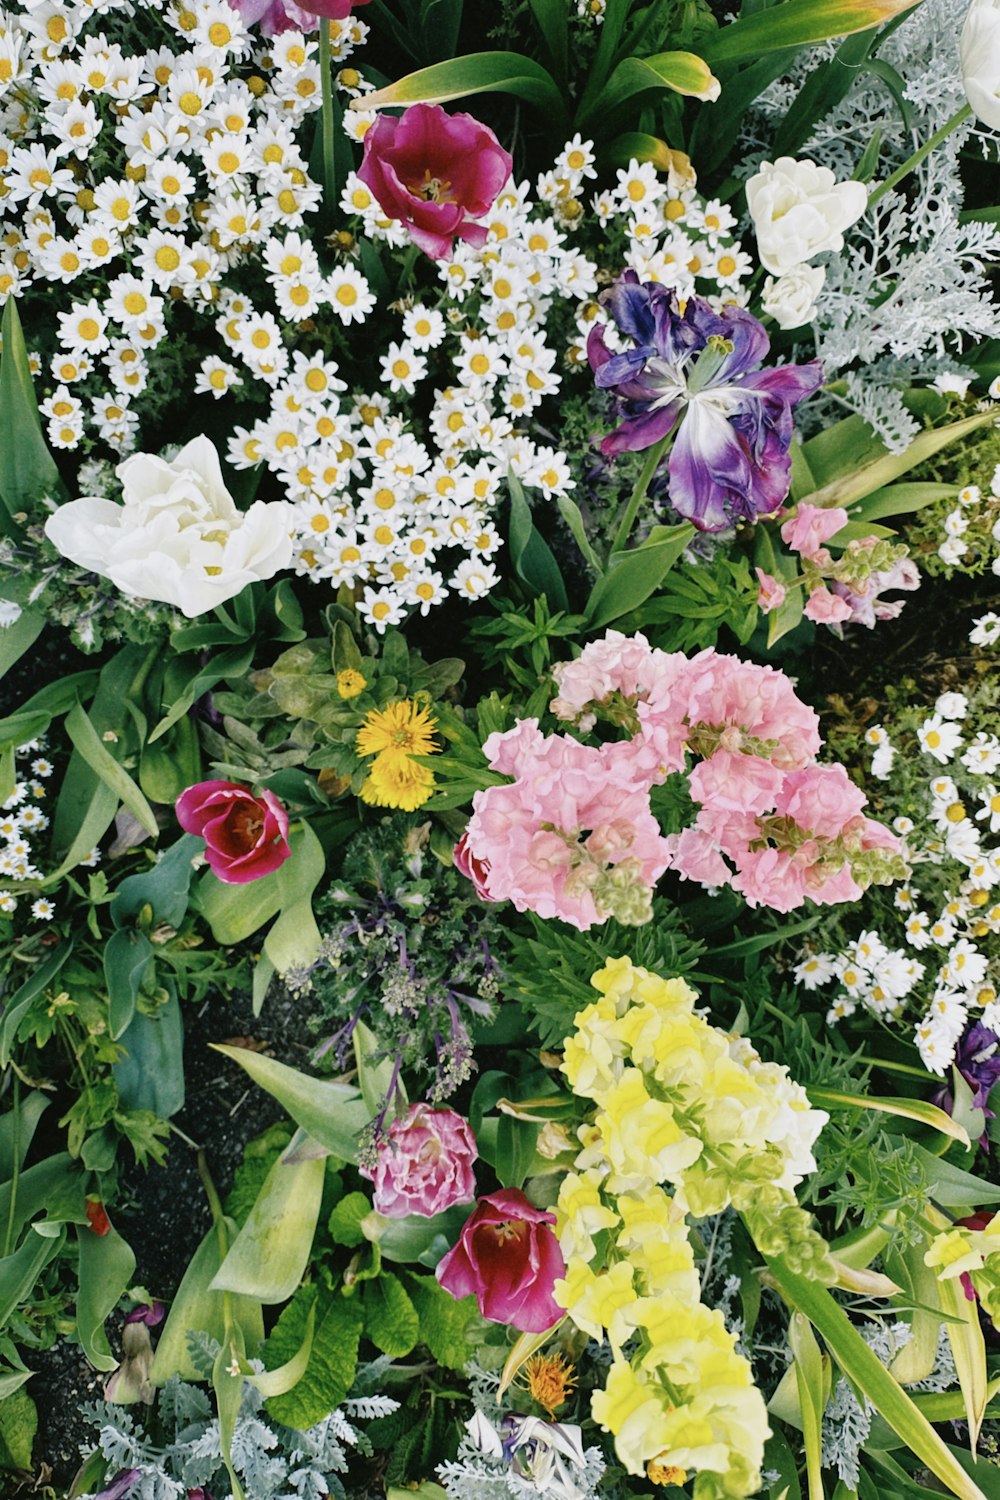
276,16
246,836
435,173
508,1258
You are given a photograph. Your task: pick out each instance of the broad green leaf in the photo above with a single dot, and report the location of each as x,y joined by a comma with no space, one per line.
909,1109
683,72
632,577
530,553
880,471
20,1271
27,468
866,1372
573,516
475,73
951,1187
114,775
515,1150
18,1422
277,1382
391,1320
965,1335
234,911
151,1073
332,1113
174,763
105,1270
127,954
17,1127
552,17
634,145
97,813
416,1240
812,1381
444,1320
54,1185
374,1077
230,663
346,1219
269,1255
796,23
20,1002
900,499
227,1383
196,1305
164,886
18,638
332,1362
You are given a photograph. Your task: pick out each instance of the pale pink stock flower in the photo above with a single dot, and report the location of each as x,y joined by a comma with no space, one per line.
757,703
736,782
821,799
770,877
771,594
826,608
811,526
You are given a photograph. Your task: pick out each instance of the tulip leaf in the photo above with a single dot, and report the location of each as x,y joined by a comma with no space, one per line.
105,1270
683,72
812,1381
235,910
27,469
150,1075
169,767
797,23
633,576
269,1255
552,18
332,1113
233,662
114,775
198,1306
20,1271
375,1078
475,73
127,954
18,638
965,1335
900,499
877,472
164,886
17,1127
950,1186
530,553
277,1382
910,1109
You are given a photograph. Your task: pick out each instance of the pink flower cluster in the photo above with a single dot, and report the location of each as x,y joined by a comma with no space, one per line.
426,1164
576,823
847,590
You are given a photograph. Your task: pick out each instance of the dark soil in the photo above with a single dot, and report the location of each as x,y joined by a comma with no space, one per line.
163,1211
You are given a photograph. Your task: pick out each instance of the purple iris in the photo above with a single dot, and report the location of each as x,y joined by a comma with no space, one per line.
698,369
977,1058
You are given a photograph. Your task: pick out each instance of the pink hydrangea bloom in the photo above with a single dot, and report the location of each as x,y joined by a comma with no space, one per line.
425,1166
771,594
573,835
811,526
826,608
436,174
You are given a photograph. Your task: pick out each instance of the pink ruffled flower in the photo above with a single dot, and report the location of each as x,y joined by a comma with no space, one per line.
276,16
246,835
736,783
476,870
771,594
811,526
771,877
826,608
436,173
754,703
508,1258
573,836
425,1166
822,799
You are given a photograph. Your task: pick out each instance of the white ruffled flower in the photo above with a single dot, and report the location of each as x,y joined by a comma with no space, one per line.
799,210
178,537
791,299
979,51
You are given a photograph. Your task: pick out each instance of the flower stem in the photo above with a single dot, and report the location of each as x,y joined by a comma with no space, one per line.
958,118
326,84
649,468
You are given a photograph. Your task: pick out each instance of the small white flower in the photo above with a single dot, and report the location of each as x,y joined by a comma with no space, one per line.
939,738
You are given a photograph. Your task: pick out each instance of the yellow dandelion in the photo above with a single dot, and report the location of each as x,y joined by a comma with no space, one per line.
401,728
549,1379
350,683
397,781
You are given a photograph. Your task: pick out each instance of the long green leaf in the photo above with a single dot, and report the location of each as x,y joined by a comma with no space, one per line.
196,1305
20,1271
114,775
867,1373
882,470
105,1270
909,1109
965,1335
332,1113
475,73
269,1255
632,577
900,499
530,553
277,1382
812,1383
18,638
683,72
552,17
27,468
795,24
20,1002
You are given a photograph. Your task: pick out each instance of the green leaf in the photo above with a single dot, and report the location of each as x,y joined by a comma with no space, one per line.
196,1305
951,1187
150,1076
515,1150
227,1383
632,577
105,1270
331,1113
909,1109
17,1007
812,1380
900,499
530,553
164,887
55,1185
965,1336
234,911
17,1127
127,954
796,23
230,663
27,468
553,22
444,1320
18,1422
277,1382
683,72
878,472
269,1255
866,1372
332,1362
391,1320
18,638
86,739
374,1077
169,767
475,73
345,1220
20,1271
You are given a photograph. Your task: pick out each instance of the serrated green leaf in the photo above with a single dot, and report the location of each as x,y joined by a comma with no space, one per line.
332,1362
18,1425
444,1321
391,1320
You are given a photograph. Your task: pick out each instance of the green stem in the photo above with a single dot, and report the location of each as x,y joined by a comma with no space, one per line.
958,118
894,1067
215,1204
326,84
8,1237
649,468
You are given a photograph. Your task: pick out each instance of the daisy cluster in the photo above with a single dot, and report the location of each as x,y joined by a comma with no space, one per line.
972,528
21,819
951,916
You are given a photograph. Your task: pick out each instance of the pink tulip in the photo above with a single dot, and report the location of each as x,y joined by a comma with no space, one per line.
246,836
425,1166
508,1258
276,16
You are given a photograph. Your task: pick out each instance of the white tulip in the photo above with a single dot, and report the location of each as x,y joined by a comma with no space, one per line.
791,299
979,51
799,210
178,537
